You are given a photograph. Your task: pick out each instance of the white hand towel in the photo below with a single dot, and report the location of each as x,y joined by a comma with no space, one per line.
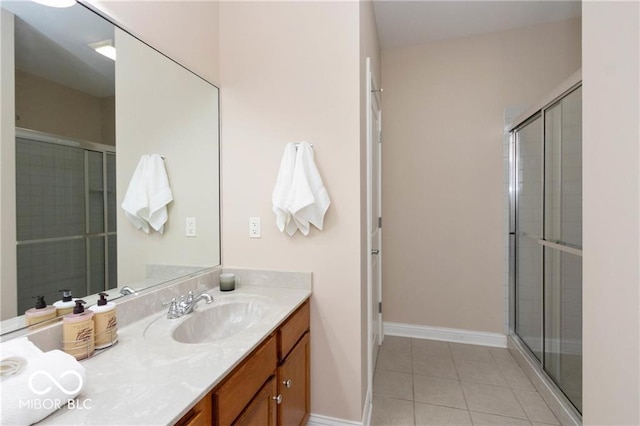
44,384
308,199
158,193
135,199
148,194
283,186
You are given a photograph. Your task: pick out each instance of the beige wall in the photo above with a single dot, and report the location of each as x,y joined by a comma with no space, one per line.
443,119
290,71
49,107
186,31
8,272
611,174
369,47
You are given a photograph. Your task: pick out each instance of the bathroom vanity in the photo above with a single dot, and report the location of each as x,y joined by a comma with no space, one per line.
235,372
269,387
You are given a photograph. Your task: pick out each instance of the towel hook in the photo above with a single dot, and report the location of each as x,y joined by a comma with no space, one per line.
298,144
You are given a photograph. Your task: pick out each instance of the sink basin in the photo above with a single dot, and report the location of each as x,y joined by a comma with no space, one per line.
216,322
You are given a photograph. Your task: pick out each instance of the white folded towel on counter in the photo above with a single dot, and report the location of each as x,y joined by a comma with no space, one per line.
145,202
306,199
34,384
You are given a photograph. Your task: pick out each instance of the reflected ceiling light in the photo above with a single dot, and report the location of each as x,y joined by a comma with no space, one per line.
105,48
56,3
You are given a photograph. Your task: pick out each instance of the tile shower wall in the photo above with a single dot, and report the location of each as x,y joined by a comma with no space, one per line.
50,204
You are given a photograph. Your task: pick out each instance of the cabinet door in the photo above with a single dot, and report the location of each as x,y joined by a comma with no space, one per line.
262,409
293,385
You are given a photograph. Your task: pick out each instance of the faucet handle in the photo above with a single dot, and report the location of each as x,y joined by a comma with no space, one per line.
189,297
174,312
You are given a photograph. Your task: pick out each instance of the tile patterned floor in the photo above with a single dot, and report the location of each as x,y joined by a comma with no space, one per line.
427,382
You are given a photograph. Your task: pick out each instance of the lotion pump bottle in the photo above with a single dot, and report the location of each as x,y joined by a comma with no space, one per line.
78,332
41,312
66,305
105,321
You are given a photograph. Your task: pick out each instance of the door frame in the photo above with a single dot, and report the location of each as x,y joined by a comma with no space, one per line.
371,92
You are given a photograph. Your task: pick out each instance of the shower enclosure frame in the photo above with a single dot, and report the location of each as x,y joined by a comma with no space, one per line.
538,111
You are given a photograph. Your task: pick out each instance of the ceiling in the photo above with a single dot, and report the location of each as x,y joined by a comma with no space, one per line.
405,23
54,52
52,43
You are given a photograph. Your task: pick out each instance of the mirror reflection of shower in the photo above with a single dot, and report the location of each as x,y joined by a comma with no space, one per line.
66,217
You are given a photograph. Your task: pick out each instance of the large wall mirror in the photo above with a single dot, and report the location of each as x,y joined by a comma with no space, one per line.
74,126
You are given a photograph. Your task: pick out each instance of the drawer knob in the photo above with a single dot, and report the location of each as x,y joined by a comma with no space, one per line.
287,383
278,399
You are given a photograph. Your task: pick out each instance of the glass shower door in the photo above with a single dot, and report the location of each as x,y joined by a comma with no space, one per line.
547,235
563,245
528,257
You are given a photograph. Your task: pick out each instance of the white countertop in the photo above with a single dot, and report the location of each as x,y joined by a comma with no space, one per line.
148,378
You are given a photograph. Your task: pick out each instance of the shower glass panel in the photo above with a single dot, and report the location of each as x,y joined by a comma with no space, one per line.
563,262
111,193
96,265
528,206
95,189
63,196
546,230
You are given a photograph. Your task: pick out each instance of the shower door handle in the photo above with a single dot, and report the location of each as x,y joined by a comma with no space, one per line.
375,251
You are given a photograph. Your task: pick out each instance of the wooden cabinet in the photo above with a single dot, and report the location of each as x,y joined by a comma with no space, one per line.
238,389
199,415
293,385
269,388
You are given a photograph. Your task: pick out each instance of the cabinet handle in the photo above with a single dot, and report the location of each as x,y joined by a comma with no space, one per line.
287,383
278,399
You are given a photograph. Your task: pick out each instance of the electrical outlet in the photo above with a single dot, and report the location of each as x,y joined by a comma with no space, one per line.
254,227
191,227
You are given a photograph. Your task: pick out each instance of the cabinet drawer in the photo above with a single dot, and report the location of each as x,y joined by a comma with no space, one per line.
292,330
262,410
199,415
241,386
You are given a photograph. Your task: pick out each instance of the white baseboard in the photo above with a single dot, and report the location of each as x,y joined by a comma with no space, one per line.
319,420
445,334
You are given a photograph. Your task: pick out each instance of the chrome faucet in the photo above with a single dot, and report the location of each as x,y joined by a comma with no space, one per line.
127,290
185,306
190,303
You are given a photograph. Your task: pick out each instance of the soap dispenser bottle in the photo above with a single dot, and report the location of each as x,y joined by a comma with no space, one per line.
78,332
105,321
40,312
66,305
